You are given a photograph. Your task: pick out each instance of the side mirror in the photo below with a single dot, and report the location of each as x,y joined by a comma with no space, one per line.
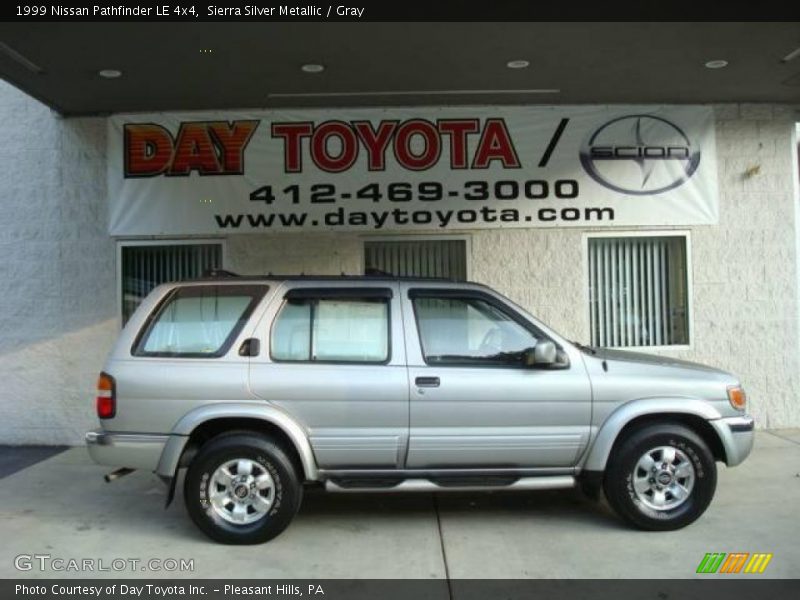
541,355
544,353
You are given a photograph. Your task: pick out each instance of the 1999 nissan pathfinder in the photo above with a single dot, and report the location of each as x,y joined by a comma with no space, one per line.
370,384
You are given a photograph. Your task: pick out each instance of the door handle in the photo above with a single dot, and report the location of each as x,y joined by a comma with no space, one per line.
427,381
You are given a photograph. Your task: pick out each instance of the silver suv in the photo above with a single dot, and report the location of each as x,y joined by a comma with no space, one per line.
260,387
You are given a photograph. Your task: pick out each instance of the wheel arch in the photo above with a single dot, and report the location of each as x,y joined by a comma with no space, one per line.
694,414
205,422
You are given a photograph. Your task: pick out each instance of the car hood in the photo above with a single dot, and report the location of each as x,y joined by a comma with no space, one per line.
654,360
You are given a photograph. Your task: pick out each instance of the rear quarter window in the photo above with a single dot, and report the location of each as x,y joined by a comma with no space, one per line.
198,321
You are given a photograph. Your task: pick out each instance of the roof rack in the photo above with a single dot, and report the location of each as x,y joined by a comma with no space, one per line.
370,275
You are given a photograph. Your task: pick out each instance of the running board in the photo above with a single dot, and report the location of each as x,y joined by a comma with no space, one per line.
557,482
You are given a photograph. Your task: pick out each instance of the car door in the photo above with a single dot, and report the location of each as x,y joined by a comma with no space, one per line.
335,361
473,403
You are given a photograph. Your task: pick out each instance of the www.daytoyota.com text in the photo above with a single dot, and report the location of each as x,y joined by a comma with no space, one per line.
486,202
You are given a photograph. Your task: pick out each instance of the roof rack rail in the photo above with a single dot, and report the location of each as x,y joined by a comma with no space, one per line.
370,275
219,274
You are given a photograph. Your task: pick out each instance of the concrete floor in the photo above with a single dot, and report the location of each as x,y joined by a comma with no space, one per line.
63,508
16,458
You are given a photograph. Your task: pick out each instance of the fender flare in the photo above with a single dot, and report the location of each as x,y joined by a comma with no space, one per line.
170,457
600,449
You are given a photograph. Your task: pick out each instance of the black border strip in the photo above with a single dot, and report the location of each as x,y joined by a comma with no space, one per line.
440,11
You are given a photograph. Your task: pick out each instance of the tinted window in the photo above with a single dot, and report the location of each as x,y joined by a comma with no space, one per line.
469,331
335,330
199,321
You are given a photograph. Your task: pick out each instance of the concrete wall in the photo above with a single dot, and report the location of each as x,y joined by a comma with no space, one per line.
58,313
58,299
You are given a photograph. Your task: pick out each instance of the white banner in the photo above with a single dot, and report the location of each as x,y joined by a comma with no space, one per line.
445,168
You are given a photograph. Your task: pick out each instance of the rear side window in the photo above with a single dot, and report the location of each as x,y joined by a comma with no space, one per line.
332,330
198,321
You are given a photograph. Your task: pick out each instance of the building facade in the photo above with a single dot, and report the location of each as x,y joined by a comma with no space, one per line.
730,295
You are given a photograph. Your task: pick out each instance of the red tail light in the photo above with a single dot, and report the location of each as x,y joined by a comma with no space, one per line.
106,396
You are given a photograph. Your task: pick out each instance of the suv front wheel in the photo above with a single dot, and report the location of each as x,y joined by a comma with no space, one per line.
661,477
242,488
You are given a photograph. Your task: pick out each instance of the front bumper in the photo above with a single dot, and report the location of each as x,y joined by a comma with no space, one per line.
737,435
132,450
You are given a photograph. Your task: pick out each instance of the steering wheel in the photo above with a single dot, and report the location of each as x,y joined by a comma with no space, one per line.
492,342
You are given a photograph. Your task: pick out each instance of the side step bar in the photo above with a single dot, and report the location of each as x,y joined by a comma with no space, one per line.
556,482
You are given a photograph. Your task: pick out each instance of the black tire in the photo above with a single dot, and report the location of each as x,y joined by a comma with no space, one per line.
618,482
285,494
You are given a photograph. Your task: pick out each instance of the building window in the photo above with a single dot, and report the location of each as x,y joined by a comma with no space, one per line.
144,267
332,330
417,258
638,291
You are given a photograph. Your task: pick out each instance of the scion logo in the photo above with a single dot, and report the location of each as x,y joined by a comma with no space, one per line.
639,155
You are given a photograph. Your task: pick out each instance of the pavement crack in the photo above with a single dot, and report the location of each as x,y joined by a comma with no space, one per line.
441,544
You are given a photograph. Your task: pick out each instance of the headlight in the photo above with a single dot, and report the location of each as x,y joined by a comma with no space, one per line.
737,397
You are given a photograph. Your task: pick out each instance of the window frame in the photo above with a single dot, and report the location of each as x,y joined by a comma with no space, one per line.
222,242
684,233
146,328
460,294
380,294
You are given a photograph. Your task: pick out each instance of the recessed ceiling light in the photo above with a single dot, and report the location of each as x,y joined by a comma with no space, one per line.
716,64
518,64
312,68
110,73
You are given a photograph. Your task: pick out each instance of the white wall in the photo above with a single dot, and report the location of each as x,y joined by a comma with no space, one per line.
58,299
58,313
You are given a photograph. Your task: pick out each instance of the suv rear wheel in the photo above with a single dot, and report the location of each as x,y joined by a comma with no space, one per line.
661,477
242,488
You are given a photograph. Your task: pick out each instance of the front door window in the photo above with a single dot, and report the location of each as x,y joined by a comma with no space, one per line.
469,331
